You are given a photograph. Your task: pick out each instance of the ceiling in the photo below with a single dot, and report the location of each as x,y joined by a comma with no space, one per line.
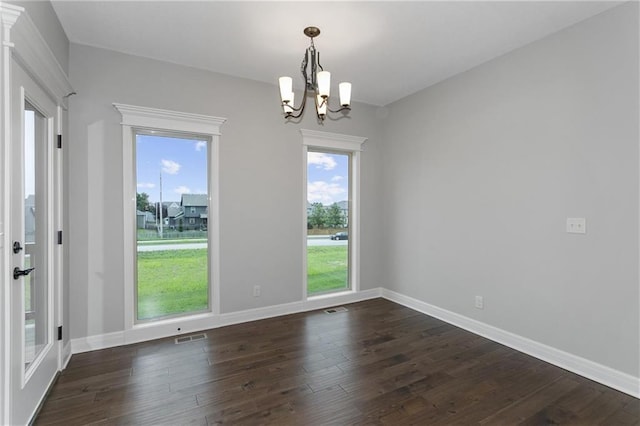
388,50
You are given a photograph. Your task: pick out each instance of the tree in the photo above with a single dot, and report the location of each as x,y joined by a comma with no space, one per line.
318,215
335,218
142,201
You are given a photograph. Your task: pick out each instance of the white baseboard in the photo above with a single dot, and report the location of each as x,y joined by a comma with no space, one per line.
322,302
168,328
66,355
99,341
576,364
600,373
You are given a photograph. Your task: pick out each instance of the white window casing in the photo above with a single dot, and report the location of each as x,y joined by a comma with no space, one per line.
338,143
150,120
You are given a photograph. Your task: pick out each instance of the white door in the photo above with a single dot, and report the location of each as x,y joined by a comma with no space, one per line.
33,354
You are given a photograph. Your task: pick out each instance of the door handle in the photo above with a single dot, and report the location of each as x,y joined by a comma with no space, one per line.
17,247
17,272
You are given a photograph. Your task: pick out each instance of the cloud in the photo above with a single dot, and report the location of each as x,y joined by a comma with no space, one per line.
182,190
170,167
146,185
321,160
337,178
325,193
200,145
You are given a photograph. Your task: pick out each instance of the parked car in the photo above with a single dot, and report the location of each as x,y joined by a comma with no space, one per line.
340,236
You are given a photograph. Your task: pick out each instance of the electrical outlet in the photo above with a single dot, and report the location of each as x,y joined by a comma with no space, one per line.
479,302
256,291
576,225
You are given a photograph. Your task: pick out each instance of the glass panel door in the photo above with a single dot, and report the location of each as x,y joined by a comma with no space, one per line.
33,353
34,284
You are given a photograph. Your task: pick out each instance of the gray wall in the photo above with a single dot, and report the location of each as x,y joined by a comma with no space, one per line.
261,182
482,170
467,185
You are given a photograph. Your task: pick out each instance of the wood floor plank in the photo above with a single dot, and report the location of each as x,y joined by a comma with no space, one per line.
378,363
525,408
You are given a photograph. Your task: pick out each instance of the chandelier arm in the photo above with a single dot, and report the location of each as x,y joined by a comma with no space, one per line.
342,108
300,109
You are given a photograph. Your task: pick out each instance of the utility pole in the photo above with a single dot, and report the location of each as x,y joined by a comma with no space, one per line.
161,221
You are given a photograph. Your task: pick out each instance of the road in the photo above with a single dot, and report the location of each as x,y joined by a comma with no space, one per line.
325,242
188,246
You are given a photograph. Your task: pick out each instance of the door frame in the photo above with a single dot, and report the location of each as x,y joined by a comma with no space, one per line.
28,386
20,40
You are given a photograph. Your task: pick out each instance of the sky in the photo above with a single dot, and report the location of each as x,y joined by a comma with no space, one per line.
182,162
29,153
327,177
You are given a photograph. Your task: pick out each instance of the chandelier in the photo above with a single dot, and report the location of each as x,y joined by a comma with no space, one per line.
317,81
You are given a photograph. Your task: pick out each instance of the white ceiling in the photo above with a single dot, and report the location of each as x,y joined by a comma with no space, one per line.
388,50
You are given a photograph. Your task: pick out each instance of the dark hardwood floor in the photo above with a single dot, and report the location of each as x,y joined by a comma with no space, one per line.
378,363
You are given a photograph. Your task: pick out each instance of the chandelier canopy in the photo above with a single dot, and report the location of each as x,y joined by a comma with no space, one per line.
317,82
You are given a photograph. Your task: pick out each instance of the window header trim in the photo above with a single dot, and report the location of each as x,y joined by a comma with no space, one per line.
153,118
332,140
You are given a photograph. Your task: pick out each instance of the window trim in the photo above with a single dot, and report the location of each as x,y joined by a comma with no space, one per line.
342,144
136,119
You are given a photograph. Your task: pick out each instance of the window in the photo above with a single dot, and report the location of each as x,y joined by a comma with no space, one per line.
168,134
331,212
171,268
328,195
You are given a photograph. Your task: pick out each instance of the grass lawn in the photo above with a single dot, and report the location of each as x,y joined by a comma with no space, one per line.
327,268
169,242
171,282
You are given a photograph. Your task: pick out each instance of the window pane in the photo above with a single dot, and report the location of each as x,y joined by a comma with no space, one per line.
35,285
327,222
172,213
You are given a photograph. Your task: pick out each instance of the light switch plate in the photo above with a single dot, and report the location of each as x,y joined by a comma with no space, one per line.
576,225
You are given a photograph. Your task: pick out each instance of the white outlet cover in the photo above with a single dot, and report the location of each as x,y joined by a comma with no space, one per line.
479,302
576,225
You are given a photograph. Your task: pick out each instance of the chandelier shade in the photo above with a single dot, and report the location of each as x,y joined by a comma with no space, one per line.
317,83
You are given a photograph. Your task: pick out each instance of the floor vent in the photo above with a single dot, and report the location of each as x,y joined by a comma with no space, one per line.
192,338
335,310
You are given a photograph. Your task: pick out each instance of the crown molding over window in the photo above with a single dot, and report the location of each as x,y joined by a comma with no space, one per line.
32,51
332,140
153,118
